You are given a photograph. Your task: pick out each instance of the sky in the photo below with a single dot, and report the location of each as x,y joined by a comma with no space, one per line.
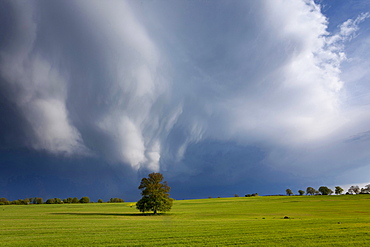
221,97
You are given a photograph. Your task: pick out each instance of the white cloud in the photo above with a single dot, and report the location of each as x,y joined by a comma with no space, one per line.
39,90
298,100
136,115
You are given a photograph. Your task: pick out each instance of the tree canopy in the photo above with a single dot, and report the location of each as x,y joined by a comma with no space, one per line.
310,191
367,187
155,194
84,199
338,190
289,192
354,189
325,190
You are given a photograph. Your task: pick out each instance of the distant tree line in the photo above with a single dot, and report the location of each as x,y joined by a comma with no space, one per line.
39,200
249,195
323,190
32,200
113,200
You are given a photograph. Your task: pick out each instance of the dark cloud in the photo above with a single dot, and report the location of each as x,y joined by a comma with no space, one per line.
26,173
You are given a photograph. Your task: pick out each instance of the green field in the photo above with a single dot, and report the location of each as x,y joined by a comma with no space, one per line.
239,221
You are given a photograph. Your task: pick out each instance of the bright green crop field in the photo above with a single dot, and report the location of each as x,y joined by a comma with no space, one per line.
238,221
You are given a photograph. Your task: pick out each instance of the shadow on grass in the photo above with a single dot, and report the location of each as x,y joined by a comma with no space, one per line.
113,214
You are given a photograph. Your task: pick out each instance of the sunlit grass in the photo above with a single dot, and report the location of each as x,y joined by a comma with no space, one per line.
258,221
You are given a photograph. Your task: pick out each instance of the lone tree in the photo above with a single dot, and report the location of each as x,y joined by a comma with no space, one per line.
301,192
289,192
155,194
325,190
84,199
338,190
354,189
367,188
310,191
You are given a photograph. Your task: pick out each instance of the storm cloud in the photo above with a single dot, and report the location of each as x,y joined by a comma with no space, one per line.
194,89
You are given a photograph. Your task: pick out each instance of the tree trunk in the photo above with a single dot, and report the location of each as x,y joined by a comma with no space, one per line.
155,211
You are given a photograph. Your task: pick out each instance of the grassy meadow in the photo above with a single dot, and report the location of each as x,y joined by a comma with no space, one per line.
238,221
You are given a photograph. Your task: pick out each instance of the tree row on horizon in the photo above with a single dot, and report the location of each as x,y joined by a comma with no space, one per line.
40,200
323,190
